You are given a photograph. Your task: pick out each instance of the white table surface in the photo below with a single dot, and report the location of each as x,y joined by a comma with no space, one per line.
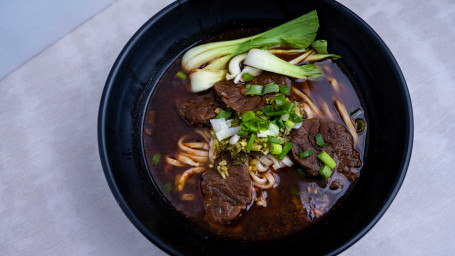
54,199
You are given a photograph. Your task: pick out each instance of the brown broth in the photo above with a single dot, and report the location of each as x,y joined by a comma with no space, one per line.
285,211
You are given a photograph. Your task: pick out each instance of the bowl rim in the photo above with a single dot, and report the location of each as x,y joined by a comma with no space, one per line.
117,67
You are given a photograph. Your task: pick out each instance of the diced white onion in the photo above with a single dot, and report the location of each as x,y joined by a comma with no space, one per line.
218,124
229,122
234,139
265,160
262,134
226,133
287,161
297,125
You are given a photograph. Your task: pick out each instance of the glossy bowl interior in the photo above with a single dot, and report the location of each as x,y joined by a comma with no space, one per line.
366,60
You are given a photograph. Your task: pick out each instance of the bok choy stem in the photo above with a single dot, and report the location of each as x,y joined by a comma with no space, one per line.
266,61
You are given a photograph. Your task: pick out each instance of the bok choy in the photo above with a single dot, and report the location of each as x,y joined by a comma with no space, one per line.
264,60
297,33
202,79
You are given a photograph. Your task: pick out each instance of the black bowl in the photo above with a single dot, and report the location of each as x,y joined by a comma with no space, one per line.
366,60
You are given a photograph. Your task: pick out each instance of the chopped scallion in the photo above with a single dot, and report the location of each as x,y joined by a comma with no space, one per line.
359,125
181,75
286,148
325,172
306,154
223,114
284,89
156,159
242,132
274,140
279,122
269,88
320,140
249,127
276,149
268,108
247,77
295,118
279,100
253,89
250,142
248,116
288,107
327,159
276,113
289,124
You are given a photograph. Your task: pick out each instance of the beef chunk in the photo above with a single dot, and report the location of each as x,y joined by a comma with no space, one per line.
232,97
339,147
198,110
224,199
268,77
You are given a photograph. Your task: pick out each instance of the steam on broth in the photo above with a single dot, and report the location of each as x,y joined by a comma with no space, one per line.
256,140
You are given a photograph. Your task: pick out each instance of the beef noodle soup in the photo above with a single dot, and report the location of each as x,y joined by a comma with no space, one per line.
247,150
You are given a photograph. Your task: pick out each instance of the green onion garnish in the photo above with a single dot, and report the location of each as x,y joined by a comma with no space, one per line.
242,132
359,125
289,124
181,75
167,187
274,140
327,159
276,149
268,108
325,172
285,151
250,142
248,116
279,122
223,114
284,89
320,140
253,89
156,159
306,154
249,127
295,118
276,113
288,107
262,124
269,88
279,100
247,77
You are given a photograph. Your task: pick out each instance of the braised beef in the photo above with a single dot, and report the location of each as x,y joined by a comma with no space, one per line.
268,77
232,97
198,110
339,147
225,199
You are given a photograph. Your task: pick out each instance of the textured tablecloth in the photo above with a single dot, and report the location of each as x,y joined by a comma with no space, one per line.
54,199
